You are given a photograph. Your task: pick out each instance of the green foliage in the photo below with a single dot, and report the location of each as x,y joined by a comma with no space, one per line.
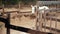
0,2
28,1
8,2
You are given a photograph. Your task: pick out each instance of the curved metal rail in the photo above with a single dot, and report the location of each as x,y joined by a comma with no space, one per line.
9,26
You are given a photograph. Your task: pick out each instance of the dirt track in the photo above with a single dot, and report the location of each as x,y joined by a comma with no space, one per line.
28,23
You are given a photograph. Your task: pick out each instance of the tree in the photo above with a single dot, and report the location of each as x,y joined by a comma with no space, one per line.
0,2
28,1
8,2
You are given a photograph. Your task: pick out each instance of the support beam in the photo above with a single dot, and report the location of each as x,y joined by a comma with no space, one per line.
48,2
8,29
53,29
9,26
27,30
53,18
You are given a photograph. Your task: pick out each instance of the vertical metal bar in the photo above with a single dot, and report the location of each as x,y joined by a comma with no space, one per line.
50,18
44,15
40,20
56,25
44,20
39,26
56,21
50,23
37,19
8,29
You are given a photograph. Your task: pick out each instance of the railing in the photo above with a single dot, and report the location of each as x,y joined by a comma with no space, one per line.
49,22
44,23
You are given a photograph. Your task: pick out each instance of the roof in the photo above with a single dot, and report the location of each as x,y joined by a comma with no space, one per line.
47,2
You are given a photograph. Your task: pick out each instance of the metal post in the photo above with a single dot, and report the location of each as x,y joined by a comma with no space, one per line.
36,20
40,21
56,22
50,23
8,29
44,15
44,20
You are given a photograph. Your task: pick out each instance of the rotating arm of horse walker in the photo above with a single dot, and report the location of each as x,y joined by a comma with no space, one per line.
27,30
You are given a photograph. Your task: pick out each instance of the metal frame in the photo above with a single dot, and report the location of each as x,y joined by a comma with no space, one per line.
48,2
9,26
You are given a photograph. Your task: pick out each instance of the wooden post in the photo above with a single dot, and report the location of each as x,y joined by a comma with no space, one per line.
18,13
3,9
19,6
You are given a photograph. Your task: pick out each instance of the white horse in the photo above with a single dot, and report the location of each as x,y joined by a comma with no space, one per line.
33,8
41,9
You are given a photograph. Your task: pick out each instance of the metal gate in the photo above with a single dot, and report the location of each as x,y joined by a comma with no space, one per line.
50,21
45,22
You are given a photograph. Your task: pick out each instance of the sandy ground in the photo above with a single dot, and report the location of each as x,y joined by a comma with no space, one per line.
27,23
